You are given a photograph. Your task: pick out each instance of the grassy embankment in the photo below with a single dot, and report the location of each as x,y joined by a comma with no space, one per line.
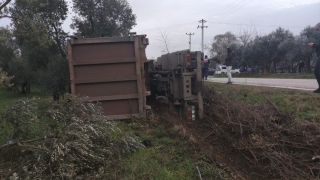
7,98
173,156
303,105
169,157
273,129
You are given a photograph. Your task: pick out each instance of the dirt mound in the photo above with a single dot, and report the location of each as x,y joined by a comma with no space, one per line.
253,141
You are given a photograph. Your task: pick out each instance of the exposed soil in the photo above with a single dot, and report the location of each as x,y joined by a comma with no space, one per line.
251,141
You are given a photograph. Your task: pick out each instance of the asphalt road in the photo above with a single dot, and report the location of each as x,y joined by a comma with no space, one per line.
302,84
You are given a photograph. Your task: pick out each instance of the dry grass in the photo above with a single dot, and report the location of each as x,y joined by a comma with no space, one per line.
268,142
302,105
256,133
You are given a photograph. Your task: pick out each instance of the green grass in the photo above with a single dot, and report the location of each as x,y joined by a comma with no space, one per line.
270,75
8,97
303,105
171,157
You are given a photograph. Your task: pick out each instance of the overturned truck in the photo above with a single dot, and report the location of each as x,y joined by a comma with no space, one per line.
111,71
176,79
115,72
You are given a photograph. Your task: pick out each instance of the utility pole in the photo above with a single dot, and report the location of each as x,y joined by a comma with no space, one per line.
190,39
202,21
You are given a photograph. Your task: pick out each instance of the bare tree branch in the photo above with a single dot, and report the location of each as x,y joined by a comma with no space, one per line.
28,141
245,35
4,4
164,39
6,16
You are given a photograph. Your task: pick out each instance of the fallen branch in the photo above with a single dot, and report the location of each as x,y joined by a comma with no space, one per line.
199,172
28,141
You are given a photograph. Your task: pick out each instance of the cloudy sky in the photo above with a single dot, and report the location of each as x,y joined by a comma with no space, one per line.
175,18
178,17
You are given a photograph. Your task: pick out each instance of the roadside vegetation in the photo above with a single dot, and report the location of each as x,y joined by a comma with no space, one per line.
44,139
247,132
65,140
303,105
264,132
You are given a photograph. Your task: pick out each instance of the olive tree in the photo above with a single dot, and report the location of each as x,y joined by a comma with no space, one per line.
101,18
42,41
67,140
219,45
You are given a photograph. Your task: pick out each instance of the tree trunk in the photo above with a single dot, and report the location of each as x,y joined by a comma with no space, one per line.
17,89
28,88
308,64
23,88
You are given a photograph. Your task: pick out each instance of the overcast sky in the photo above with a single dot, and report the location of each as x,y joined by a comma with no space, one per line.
175,18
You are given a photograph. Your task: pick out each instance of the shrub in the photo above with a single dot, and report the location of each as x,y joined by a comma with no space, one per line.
60,141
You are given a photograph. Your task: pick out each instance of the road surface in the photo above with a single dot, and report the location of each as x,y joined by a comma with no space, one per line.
302,84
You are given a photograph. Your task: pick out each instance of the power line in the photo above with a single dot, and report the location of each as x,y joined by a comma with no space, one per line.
190,23
234,9
249,24
228,10
215,22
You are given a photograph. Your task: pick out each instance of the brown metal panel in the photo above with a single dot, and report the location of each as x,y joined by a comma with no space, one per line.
109,98
107,79
93,52
110,70
102,61
120,107
105,70
101,40
70,59
107,89
138,70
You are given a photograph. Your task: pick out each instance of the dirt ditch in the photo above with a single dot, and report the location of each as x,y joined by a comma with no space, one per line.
251,141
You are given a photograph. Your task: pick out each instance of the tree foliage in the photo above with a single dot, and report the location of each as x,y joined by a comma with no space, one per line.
5,79
60,141
7,48
42,42
219,45
278,50
101,18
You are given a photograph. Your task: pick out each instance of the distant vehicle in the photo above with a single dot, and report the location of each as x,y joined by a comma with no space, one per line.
243,69
222,69
211,71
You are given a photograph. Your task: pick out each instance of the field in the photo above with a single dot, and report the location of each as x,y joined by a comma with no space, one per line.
248,133
8,97
302,105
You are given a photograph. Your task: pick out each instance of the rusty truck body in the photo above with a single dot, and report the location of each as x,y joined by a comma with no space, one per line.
115,72
110,71
176,78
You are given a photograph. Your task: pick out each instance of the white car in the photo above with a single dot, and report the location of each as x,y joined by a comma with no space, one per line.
221,69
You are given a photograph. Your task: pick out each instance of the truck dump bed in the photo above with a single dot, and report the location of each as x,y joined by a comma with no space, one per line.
110,71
